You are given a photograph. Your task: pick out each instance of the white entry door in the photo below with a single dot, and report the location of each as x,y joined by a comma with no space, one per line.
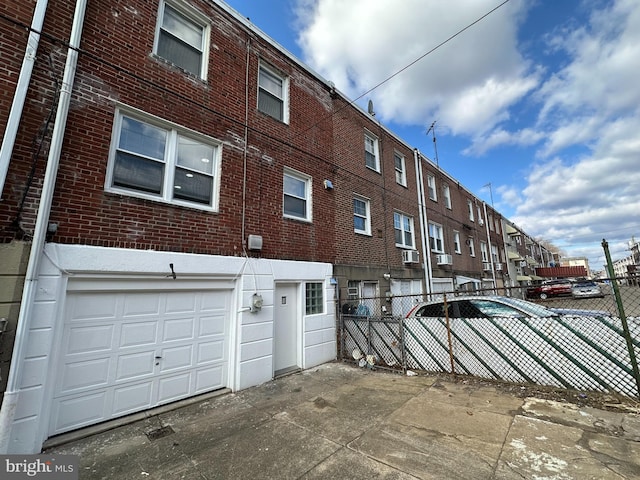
123,352
285,330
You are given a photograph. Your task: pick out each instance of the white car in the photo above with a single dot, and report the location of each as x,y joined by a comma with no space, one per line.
587,289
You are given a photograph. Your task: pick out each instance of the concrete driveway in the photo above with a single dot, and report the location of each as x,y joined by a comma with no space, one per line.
340,421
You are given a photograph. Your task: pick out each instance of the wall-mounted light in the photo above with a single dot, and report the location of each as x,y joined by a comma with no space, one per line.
256,303
387,276
328,185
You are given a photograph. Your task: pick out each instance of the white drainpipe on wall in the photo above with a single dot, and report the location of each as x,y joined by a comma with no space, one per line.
424,232
11,395
13,122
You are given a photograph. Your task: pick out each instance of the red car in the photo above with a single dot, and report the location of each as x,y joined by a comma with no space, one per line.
550,288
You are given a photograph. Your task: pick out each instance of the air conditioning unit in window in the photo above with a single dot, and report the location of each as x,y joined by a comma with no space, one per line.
444,259
523,263
498,266
486,266
481,222
410,256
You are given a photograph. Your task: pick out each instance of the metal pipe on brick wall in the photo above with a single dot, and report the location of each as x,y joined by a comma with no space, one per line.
11,396
24,79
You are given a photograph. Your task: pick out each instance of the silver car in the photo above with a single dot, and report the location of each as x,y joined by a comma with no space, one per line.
586,289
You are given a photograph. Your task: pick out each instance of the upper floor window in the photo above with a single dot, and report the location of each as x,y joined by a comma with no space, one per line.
446,192
470,207
403,227
472,247
491,224
436,239
401,172
296,195
371,155
431,186
160,161
484,252
361,215
314,298
497,225
182,38
494,254
480,220
273,94
456,242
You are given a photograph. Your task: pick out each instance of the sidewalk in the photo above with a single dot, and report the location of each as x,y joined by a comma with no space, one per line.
340,421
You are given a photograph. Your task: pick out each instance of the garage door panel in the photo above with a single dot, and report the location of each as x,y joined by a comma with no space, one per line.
135,365
174,387
178,329
85,374
138,334
89,339
141,304
108,365
210,352
177,357
131,398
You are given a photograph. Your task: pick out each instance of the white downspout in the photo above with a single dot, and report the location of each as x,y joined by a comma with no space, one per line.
24,79
11,395
486,223
426,252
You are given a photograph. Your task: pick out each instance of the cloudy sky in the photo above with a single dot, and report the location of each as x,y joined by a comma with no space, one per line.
539,98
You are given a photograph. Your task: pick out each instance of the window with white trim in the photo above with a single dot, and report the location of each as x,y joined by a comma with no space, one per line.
314,298
436,238
361,215
472,247
371,152
296,201
273,93
491,223
161,161
456,242
431,186
494,254
484,252
182,38
446,193
470,207
401,171
403,228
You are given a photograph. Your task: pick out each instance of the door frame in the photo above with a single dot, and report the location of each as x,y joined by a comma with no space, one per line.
298,342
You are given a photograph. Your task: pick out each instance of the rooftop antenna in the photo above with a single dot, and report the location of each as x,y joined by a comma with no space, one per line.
432,129
370,109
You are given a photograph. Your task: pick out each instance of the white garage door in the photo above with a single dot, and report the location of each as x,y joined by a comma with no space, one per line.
124,352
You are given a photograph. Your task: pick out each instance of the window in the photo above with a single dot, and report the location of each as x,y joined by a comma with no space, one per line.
314,302
484,252
361,215
470,206
480,221
494,254
497,225
371,156
403,226
436,241
491,224
456,242
446,191
401,173
472,248
182,38
159,161
297,195
431,186
273,94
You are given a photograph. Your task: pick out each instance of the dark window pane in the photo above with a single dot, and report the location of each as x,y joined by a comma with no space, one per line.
192,186
270,104
179,53
138,173
295,207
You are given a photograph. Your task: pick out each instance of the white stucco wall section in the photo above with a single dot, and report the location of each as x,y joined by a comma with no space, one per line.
251,334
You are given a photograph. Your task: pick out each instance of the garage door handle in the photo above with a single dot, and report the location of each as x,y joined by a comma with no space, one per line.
158,357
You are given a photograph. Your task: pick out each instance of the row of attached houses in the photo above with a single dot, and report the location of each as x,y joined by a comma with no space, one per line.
186,206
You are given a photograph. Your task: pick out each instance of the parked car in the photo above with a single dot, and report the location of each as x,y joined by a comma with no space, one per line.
493,307
550,288
586,289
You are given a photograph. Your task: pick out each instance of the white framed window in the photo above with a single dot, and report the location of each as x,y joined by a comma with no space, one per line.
497,225
431,186
470,207
494,254
273,93
484,252
401,171
446,193
491,223
480,221
472,247
436,238
456,242
403,228
361,215
296,202
157,160
182,37
314,298
371,152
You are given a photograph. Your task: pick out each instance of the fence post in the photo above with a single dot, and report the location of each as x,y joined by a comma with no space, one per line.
623,317
446,316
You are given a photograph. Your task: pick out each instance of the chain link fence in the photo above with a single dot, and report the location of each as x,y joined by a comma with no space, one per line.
565,338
